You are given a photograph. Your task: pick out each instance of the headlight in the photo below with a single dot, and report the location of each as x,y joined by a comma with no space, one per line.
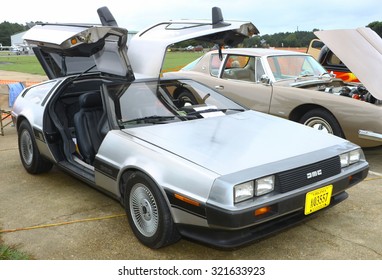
351,157
250,189
243,191
264,185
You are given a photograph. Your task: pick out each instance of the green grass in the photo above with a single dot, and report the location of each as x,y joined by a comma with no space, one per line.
11,253
176,60
29,63
21,63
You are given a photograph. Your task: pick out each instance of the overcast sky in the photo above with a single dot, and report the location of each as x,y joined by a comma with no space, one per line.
269,16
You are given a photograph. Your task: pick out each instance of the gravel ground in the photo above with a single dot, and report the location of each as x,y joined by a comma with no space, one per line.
22,77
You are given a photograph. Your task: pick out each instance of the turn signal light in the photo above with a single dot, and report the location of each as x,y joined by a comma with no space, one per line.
187,200
73,41
262,211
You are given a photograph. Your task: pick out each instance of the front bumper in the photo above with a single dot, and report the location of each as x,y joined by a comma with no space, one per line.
230,239
369,135
229,229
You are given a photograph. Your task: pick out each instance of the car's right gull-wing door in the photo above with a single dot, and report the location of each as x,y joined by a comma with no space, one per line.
147,49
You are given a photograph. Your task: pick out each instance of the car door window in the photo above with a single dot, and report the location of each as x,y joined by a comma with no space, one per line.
259,72
215,65
240,67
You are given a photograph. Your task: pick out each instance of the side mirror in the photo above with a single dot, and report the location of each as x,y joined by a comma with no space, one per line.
264,79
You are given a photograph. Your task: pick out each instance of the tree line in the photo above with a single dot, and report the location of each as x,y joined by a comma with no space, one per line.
8,29
297,39
283,39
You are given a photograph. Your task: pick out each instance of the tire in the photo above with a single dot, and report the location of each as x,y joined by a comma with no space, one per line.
185,98
30,156
322,120
148,213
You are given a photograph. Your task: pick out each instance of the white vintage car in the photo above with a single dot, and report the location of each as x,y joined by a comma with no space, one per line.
212,172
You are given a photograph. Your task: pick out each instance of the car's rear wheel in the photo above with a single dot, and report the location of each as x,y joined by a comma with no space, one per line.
30,156
322,120
148,213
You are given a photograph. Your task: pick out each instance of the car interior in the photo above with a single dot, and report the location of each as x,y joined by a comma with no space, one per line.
79,120
90,124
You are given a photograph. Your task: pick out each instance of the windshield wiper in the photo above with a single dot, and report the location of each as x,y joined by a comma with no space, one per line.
323,74
148,119
212,110
304,76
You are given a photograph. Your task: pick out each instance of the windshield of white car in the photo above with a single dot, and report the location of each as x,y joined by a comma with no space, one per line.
151,102
294,67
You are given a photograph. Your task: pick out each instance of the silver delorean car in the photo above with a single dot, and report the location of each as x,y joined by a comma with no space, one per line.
213,172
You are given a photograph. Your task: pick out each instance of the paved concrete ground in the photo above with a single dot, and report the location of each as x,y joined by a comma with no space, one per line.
69,220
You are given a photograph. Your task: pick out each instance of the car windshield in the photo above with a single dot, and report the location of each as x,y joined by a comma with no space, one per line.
294,66
142,103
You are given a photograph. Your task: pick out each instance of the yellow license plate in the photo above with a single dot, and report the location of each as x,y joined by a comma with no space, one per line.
318,199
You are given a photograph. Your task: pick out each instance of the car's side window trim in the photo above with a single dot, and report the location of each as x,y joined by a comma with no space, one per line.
214,71
240,68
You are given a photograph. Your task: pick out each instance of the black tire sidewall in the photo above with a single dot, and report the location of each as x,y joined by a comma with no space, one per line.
38,164
327,116
166,232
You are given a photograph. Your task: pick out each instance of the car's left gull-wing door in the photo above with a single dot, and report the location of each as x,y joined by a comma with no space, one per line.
147,49
67,49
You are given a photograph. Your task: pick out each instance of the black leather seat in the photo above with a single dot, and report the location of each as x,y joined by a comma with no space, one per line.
88,124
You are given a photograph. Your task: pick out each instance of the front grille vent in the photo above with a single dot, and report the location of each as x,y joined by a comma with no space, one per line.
302,176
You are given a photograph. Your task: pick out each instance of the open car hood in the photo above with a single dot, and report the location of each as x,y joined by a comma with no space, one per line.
64,49
361,51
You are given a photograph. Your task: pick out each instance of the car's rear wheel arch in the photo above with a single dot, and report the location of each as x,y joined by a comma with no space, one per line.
20,119
30,156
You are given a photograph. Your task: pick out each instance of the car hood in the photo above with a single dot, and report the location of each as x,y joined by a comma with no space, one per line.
231,143
361,51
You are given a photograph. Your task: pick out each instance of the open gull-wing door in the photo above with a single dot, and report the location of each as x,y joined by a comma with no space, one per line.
147,49
361,51
64,50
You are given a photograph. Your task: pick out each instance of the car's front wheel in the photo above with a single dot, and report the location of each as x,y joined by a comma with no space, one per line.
148,213
322,120
30,156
